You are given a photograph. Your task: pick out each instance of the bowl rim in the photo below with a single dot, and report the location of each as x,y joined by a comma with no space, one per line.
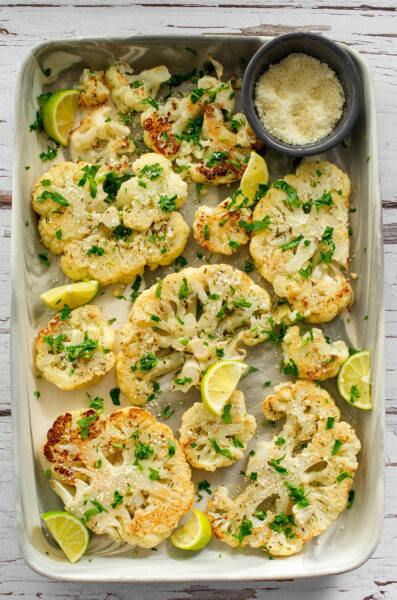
333,138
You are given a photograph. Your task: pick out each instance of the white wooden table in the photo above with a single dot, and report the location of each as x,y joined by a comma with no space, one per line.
370,26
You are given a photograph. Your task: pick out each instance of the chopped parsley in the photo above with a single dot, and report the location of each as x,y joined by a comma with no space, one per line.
256,225
275,463
154,474
117,499
325,200
216,157
147,362
54,196
135,288
168,204
292,194
168,412
304,273
343,475
171,448
112,184
292,243
97,250
280,441
218,450
297,494
90,172
335,449
248,266
152,171
203,486
98,508
206,232
291,368
195,95
85,423
244,530
236,442
150,101
330,423
183,290
85,349
65,312
226,416
182,381
350,500
282,523
115,396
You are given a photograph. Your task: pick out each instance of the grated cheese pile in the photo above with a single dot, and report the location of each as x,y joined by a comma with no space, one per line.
299,100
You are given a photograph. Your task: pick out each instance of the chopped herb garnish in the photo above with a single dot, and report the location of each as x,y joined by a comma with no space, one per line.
168,204
297,494
115,396
168,412
203,486
292,243
350,500
330,423
154,474
292,194
117,499
280,441
218,450
171,448
147,362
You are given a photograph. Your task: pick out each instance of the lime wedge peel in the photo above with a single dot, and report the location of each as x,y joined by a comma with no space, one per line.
219,383
58,114
72,294
195,534
70,533
255,174
354,380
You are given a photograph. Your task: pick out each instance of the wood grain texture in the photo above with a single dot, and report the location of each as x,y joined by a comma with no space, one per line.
370,26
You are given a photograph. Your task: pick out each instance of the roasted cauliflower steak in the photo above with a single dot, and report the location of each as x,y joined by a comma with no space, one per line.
210,442
314,356
299,481
222,228
77,351
108,223
199,132
124,475
304,251
184,324
101,138
133,92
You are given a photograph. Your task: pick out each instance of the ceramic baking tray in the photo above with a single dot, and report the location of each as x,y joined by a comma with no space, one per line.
354,536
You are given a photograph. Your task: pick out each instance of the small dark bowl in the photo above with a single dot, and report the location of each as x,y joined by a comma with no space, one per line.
325,50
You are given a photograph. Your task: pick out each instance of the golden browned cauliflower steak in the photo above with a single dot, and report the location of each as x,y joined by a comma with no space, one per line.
304,252
78,351
108,223
124,475
222,228
217,441
314,356
199,132
185,323
299,481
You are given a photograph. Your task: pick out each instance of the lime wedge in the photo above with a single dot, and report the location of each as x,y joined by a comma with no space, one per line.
72,294
219,383
255,174
70,533
58,114
195,534
354,380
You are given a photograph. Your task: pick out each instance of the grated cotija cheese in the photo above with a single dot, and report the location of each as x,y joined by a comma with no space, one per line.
299,100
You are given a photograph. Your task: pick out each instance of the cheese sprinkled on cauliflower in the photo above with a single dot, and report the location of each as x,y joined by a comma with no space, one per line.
299,481
124,475
76,352
217,228
209,441
108,223
187,321
93,88
100,137
133,92
304,252
313,355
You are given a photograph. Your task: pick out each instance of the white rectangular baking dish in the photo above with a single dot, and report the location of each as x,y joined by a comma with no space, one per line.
353,537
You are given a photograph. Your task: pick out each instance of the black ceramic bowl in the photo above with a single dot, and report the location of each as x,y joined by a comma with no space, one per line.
325,50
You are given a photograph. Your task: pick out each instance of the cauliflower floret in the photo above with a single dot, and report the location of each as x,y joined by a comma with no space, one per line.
109,258
313,356
93,88
299,481
129,91
101,135
124,475
167,192
218,442
217,228
180,323
304,252
76,352
79,218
